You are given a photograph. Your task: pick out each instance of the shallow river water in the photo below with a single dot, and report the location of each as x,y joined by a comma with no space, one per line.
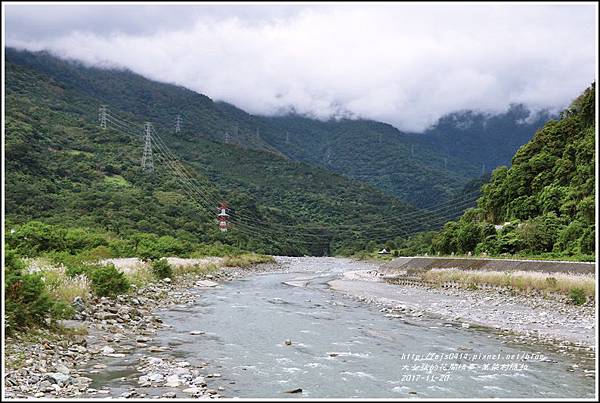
341,347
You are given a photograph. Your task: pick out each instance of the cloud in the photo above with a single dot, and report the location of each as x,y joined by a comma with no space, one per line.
405,64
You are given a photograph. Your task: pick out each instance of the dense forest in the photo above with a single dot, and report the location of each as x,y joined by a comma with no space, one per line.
543,205
425,170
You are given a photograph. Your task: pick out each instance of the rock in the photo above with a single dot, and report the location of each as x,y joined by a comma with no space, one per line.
57,377
173,381
155,361
44,385
288,342
107,350
169,395
39,394
297,390
193,390
100,366
206,283
466,325
115,355
167,280
197,332
62,369
155,377
199,380
183,364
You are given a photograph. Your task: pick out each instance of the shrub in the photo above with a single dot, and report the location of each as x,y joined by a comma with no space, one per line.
162,269
26,301
577,296
77,270
108,281
98,253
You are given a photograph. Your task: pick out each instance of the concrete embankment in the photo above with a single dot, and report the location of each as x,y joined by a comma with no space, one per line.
415,265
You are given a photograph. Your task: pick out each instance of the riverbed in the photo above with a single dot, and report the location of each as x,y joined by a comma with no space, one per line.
269,335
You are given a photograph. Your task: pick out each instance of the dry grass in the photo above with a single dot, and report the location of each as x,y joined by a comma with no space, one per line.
522,280
140,276
196,269
246,260
62,287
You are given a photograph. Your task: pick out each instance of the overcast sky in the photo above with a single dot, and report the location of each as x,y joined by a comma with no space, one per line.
404,64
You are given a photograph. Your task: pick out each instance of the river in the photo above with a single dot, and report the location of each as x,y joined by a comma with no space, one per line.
341,347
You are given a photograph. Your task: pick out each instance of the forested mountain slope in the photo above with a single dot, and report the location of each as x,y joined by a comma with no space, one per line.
426,170
62,168
544,203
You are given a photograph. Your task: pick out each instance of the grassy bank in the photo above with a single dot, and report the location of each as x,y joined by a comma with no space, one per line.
567,284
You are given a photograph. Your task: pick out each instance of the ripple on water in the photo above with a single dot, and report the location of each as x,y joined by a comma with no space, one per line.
401,389
359,374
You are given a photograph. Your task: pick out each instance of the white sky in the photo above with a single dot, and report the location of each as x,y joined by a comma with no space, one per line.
404,64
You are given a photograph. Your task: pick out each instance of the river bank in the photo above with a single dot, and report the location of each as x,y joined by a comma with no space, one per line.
531,316
65,363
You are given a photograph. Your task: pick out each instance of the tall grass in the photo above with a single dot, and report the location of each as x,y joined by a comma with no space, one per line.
141,276
561,283
64,288
196,269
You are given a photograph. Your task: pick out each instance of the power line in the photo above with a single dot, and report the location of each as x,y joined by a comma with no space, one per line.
429,213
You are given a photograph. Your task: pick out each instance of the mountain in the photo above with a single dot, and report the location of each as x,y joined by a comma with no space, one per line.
485,140
543,204
62,168
426,169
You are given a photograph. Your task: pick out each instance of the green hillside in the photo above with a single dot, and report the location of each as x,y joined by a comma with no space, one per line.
544,203
62,169
425,170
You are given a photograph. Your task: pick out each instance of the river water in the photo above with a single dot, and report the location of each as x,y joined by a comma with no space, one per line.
344,348
341,347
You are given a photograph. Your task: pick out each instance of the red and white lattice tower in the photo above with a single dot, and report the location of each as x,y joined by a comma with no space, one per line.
223,217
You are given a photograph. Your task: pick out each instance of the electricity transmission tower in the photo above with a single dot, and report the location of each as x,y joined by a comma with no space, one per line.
287,137
178,122
227,137
102,116
147,160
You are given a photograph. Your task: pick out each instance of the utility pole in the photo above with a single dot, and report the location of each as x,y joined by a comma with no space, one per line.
178,122
102,116
412,150
147,160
